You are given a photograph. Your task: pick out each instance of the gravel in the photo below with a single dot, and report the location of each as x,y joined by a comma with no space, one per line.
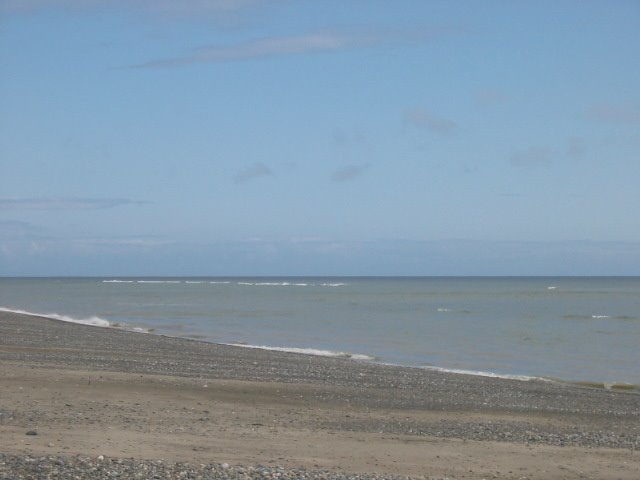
367,384
13,467
573,415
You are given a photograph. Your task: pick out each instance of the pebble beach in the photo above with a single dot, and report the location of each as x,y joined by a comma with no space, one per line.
108,403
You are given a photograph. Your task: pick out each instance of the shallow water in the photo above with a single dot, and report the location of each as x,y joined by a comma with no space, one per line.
580,329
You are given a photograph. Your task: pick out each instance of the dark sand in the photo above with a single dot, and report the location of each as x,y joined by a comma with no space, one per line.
98,391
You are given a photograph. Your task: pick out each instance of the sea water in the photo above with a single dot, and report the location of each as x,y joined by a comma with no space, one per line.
575,329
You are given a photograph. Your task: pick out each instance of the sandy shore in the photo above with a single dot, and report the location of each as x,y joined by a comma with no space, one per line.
94,392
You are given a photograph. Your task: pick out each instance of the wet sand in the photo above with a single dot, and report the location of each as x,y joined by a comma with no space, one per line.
94,392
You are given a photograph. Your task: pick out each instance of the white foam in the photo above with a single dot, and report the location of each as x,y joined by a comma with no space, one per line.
287,284
219,283
552,288
363,357
117,281
192,281
600,316
480,373
307,351
95,321
158,281
444,310
100,322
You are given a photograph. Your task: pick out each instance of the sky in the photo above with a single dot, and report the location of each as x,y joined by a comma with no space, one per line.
249,137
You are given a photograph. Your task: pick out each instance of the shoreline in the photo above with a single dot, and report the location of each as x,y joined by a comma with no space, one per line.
359,357
101,391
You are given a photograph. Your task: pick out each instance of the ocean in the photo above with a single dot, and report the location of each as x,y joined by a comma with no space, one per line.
583,329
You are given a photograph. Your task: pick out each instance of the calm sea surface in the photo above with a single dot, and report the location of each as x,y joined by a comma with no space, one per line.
582,329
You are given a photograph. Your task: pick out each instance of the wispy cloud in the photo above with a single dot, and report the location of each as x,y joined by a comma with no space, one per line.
64,203
350,172
420,118
17,229
531,157
314,42
610,113
27,241
255,171
266,47
539,156
166,8
146,241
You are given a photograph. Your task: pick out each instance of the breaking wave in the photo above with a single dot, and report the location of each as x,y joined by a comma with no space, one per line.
228,282
308,351
598,317
158,281
93,320
480,373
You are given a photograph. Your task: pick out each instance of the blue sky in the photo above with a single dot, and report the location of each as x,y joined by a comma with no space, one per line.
220,137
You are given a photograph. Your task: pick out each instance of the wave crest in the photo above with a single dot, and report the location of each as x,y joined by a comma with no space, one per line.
308,351
480,373
93,320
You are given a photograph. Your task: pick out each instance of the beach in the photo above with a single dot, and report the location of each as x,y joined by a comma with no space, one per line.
87,401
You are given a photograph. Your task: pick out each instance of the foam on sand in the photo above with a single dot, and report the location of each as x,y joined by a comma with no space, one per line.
369,358
308,351
480,373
